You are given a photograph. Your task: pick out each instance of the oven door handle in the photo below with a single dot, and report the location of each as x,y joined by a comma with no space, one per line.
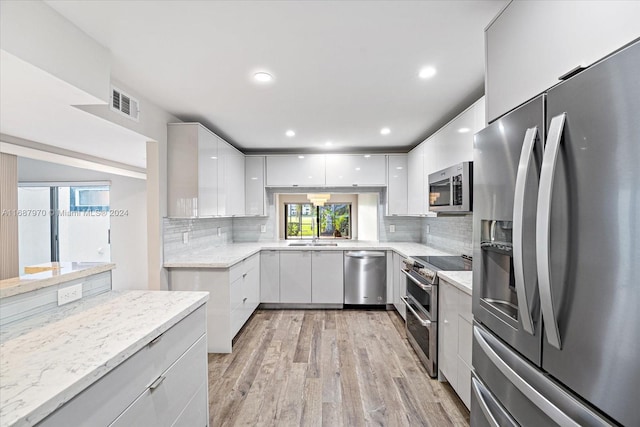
422,285
422,321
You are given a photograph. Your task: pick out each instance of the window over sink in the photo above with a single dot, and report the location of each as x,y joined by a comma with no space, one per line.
305,221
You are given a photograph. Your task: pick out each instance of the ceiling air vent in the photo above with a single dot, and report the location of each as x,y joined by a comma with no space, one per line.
124,104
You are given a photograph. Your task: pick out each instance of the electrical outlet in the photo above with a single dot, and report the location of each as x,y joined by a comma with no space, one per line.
263,228
428,229
69,294
219,231
392,228
185,237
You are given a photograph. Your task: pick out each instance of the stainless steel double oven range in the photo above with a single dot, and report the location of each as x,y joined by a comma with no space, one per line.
422,303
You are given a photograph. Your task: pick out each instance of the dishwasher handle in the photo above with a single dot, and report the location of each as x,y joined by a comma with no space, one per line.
365,254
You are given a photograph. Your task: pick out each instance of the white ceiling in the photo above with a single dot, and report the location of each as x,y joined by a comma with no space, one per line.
343,69
40,107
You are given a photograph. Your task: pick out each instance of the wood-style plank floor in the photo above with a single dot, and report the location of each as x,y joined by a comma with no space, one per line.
327,368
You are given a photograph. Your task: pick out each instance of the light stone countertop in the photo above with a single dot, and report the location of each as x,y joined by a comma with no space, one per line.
462,280
228,255
50,358
60,272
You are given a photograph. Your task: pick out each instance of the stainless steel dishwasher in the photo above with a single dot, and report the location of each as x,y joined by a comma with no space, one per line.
365,277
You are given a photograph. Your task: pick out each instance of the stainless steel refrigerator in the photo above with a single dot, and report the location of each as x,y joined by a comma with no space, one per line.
556,281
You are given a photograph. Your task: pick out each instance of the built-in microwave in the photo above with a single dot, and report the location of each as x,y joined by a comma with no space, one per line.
450,189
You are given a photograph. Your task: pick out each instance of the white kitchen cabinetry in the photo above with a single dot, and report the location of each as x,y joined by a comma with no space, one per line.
345,170
400,286
255,197
231,179
397,185
533,43
269,276
295,276
417,193
192,168
205,173
234,295
327,278
296,171
455,339
163,384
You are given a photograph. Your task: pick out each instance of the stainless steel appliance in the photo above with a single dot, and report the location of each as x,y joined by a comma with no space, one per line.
451,189
365,277
422,303
556,232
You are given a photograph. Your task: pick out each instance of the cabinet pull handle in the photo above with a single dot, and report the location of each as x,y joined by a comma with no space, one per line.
244,299
155,340
154,385
244,274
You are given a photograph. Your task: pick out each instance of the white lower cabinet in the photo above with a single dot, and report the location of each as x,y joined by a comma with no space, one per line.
399,286
269,276
163,384
455,339
295,276
327,278
234,296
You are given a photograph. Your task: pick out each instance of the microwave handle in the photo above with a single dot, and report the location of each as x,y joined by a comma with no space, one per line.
518,219
543,228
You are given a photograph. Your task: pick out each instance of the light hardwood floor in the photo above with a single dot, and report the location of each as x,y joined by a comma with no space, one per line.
327,368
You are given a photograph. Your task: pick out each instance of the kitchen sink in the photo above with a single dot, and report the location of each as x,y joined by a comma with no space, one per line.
313,244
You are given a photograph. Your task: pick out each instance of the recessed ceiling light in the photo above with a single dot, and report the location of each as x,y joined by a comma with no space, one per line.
262,77
399,167
301,157
254,178
385,131
464,130
214,157
427,72
328,143
366,156
357,169
290,133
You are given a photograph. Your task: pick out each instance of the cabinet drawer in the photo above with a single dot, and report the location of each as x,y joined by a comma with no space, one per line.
196,413
463,387
108,397
236,294
238,317
251,263
236,271
164,400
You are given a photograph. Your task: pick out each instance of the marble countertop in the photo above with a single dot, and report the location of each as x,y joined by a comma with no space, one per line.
228,255
60,272
50,358
462,280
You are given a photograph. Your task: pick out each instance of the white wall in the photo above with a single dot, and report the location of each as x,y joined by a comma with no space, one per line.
367,216
128,233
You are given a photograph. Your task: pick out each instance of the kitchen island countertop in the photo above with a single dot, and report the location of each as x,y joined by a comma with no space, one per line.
50,358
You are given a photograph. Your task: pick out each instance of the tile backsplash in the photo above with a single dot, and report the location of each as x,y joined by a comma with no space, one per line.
202,233
449,233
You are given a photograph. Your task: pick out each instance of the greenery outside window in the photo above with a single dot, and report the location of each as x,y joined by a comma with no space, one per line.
305,221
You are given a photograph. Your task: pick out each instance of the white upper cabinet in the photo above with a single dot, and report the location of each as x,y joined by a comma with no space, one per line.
231,179
417,194
205,173
192,168
531,44
346,170
397,184
296,170
254,185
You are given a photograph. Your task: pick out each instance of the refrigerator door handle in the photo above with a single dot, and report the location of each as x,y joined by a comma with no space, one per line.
480,391
518,217
552,411
543,228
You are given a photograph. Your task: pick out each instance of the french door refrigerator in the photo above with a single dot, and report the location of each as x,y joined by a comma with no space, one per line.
556,288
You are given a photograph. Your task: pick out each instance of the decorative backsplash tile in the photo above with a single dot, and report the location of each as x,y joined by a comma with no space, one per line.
202,233
449,233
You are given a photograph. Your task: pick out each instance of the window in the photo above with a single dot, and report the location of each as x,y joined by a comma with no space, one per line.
83,199
331,221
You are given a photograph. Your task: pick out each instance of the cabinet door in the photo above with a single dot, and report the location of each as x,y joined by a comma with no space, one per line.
448,332
231,180
269,276
346,170
400,286
521,63
296,171
417,195
327,277
295,276
251,284
254,185
397,185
